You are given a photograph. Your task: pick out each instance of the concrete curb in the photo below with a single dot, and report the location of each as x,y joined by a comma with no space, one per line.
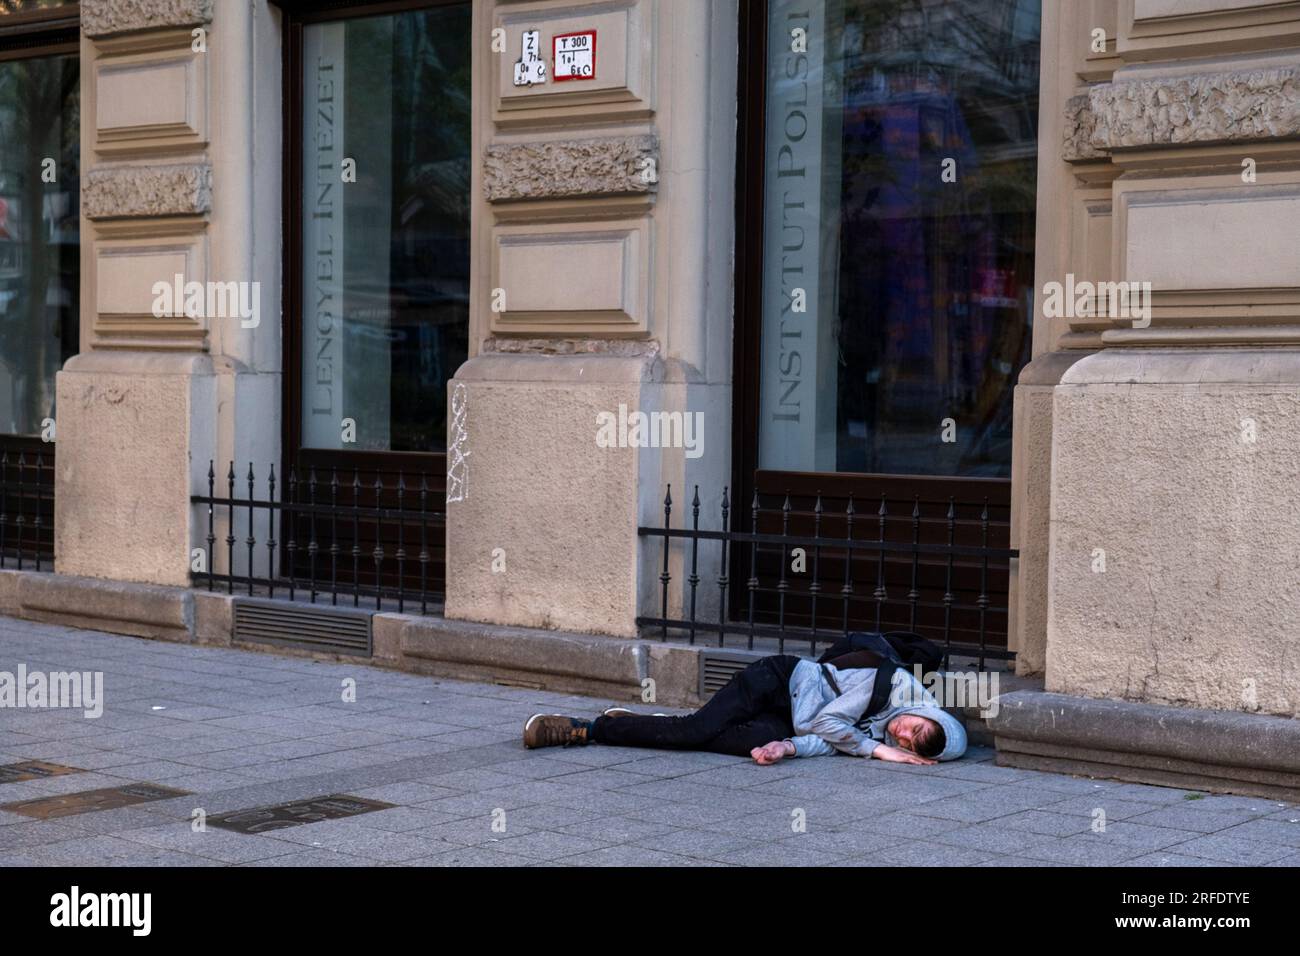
596,665
1212,750
619,668
119,607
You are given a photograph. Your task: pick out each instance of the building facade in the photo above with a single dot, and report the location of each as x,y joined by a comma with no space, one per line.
1010,289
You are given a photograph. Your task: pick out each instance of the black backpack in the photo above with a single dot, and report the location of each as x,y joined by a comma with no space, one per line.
886,653
869,649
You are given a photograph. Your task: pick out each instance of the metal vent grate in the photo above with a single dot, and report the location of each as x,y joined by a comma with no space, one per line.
718,667
333,630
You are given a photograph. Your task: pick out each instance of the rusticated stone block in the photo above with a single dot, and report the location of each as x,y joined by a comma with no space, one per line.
109,192
1236,106
611,166
101,18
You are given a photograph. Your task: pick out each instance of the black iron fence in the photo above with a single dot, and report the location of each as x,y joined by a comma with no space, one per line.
807,575
27,511
325,537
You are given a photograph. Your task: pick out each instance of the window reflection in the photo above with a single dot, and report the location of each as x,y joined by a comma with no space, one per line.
39,234
385,226
916,285
31,6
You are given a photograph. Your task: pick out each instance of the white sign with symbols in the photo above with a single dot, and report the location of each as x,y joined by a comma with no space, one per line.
574,55
530,68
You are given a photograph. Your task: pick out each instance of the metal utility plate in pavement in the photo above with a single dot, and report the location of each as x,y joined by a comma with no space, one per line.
281,815
110,798
33,770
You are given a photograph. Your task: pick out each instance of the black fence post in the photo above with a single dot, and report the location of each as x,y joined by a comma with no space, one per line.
22,491
291,513
356,537
752,583
722,576
664,578
40,501
913,595
312,545
948,596
4,503
271,517
212,530
401,543
846,590
815,586
252,541
881,593
378,553
424,545
334,535
694,578
230,529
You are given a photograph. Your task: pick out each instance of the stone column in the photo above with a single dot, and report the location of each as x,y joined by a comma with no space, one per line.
601,283
1175,539
180,103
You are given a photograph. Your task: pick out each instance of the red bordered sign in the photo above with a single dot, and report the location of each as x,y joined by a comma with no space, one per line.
573,56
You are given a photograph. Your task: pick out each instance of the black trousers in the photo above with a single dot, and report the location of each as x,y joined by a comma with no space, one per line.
753,709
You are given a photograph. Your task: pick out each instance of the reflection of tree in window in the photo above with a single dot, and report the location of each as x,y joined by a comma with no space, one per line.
934,278
39,226
407,120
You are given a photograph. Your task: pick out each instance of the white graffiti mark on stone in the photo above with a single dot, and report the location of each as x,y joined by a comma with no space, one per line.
457,447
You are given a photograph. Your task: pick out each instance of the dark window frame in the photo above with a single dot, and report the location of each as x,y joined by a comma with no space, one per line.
369,464
803,488
40,32
299,14
30,35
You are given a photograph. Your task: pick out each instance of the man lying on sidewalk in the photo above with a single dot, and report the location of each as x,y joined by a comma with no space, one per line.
780,707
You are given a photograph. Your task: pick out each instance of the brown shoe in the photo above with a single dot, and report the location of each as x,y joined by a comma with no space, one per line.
553,730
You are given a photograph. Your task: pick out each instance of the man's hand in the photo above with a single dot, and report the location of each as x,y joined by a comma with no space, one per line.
773,752
897,755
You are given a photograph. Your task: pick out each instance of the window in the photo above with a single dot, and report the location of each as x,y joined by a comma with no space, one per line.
39,218
385,170
884,288
377,260
898,223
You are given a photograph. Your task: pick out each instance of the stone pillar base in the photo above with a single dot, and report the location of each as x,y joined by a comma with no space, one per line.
1175,536
126,423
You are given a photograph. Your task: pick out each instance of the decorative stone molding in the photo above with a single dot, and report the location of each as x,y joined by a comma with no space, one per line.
101,18
1242,106
112,192
1080,122
590,167
619,347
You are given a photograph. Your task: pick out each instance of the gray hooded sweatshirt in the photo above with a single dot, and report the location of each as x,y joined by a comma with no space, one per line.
825,723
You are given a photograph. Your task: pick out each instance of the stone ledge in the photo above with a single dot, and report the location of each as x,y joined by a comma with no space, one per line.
112,192
101,18
611,166
551,660
119,607
1212,750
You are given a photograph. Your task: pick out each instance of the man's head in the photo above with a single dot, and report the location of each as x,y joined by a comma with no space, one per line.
921,735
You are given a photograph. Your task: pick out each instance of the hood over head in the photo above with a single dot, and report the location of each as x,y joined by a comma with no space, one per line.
954,734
